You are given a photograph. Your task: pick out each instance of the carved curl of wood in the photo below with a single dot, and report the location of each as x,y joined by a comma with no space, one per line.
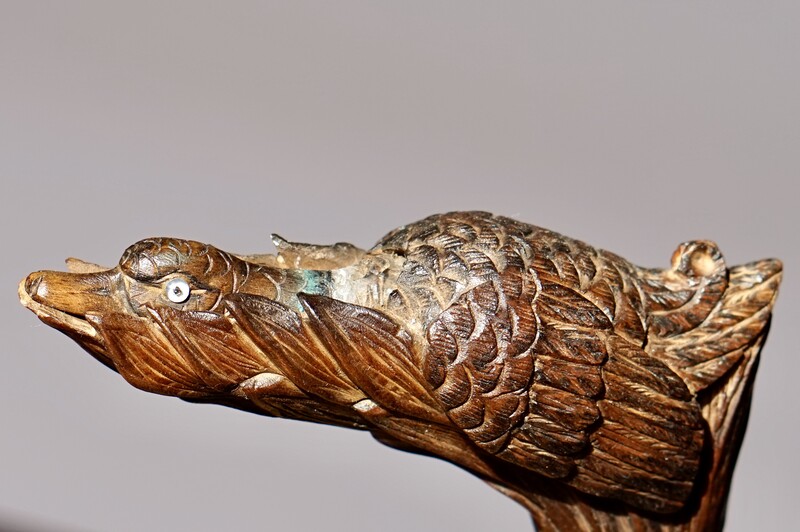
598,394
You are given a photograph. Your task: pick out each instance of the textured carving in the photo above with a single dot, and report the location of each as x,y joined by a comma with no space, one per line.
598,394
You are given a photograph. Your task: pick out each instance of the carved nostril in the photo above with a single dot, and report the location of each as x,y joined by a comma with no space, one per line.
33,285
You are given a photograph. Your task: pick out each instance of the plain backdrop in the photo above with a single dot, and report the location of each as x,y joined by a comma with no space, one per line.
631,125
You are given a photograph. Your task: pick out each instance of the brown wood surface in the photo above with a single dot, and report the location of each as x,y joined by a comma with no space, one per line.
598,394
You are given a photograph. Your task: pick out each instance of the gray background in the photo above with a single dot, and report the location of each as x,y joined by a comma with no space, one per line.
631,125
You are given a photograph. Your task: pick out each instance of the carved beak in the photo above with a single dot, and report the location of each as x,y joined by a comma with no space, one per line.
74,293
63,300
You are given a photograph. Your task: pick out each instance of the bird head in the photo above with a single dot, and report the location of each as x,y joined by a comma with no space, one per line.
152,273
117,314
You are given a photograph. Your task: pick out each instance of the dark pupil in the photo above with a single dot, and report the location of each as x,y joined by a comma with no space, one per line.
177,291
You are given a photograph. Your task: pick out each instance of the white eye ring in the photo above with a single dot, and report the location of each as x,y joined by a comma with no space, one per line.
178,290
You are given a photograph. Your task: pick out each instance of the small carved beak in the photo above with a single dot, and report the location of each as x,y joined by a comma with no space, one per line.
62,300
74,293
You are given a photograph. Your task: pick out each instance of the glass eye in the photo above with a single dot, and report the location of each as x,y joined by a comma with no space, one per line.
178,290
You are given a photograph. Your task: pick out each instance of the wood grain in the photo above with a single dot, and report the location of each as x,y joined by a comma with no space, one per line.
598,394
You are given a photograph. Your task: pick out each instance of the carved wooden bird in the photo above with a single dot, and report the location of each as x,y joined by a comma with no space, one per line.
598,394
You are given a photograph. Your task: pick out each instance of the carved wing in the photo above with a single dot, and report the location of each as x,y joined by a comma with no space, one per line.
644,447
479,361
568,391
